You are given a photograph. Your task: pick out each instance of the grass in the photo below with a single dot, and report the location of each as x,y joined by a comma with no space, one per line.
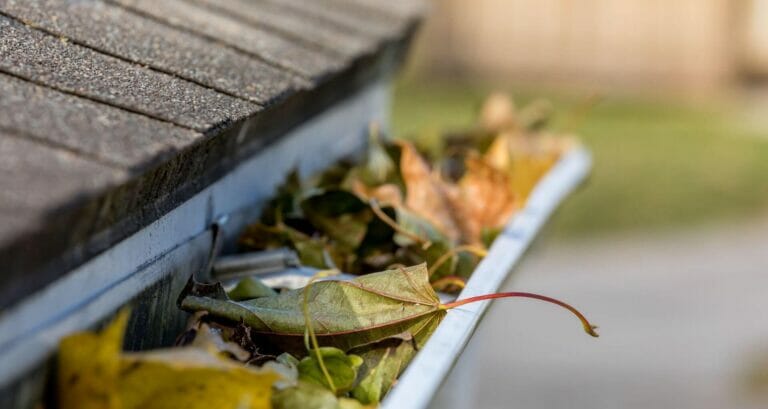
658,165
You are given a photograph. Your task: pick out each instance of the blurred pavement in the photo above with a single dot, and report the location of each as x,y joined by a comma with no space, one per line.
682,317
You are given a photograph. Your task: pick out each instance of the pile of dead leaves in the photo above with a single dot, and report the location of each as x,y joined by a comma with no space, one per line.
332,343
397,207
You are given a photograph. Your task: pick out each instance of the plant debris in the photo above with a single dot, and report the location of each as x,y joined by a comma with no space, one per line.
399,207
94,373
407,222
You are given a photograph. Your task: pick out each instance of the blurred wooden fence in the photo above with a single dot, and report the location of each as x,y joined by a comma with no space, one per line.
755,34
690,44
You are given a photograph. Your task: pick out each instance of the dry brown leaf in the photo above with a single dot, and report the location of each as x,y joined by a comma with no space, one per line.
482,199
387,194
426,194
486,199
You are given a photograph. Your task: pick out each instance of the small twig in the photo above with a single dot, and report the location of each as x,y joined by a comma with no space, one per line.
393,224
449,280
309,335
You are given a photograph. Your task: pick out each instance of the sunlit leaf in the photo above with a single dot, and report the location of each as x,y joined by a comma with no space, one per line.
94,373
426,195
383,363
485,198
89,367
341,367
305,396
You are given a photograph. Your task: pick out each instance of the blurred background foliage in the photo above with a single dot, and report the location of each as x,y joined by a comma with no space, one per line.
679,135
659,163
666,245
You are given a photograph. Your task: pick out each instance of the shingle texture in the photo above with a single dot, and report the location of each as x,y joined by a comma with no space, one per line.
113,112
240,34
106,134
115,30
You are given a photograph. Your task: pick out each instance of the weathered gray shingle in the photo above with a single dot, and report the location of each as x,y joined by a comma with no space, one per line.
353,18
123,33
57,63
114,112
110,135
235,33
407,10
36,177
324,35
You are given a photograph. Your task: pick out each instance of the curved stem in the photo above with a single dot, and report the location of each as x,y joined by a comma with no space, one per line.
588,328
476,250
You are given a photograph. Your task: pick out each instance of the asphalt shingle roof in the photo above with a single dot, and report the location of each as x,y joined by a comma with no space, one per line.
113,112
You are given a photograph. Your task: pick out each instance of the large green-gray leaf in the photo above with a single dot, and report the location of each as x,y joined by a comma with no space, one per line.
343,314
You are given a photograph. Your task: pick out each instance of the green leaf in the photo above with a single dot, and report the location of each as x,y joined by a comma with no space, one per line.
333,203
340,214
341,367
249,288
349,403
488,235
465,264
305,396
421,227
344,314
288,360
382,365
432,254
285,203
311,252
377,244
311,396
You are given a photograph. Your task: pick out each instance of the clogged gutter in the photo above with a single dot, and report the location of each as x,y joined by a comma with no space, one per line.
419,217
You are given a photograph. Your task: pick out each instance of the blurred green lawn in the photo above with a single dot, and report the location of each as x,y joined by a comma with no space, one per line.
658,165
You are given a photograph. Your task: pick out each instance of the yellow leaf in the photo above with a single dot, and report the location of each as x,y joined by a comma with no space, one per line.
93,373
89,366
191,378
499,154
525,158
